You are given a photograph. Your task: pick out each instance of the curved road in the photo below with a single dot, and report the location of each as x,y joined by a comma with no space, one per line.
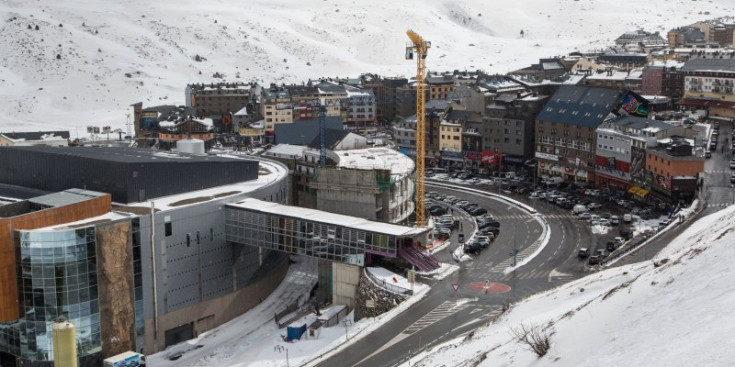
483,287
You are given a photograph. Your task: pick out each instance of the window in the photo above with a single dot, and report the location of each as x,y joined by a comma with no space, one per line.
188,239
168,228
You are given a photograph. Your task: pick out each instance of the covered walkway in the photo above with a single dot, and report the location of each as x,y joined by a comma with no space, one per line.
323,235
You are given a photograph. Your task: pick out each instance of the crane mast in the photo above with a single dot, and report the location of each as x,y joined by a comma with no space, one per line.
418,49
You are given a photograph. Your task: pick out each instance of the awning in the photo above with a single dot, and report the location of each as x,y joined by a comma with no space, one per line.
582,173
557,169
635,190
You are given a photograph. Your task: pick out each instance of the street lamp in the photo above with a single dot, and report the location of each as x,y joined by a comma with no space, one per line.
531,163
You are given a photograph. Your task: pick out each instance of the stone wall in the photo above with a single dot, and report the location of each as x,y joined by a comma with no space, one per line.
383,301
115,279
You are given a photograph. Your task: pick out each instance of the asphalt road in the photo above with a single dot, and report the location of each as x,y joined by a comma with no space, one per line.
483,286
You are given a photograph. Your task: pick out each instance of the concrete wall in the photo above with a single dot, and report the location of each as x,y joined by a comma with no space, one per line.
209,314
345,279
348,192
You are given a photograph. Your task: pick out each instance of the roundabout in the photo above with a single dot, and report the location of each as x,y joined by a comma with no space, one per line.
488,287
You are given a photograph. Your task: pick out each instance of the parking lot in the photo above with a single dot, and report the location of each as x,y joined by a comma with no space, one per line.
614,218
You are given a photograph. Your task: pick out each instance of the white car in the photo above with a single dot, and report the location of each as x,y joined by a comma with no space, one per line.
601,222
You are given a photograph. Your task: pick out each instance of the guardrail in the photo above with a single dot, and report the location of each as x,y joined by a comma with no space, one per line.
387,286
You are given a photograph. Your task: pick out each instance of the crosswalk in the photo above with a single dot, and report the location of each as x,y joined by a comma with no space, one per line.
443,310
719,205
494,276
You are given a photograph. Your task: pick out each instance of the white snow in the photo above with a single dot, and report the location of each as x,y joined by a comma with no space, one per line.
376,158
114,54
275,173
254,340
330,218
672,311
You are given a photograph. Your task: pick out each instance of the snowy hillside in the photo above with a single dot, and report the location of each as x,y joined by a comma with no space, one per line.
673,311
72,63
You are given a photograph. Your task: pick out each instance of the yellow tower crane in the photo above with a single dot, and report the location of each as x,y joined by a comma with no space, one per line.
418,49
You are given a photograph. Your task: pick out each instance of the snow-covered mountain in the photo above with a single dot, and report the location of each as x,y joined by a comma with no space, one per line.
672,311
72,63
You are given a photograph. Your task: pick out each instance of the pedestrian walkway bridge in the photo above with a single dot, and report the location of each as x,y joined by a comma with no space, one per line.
322,234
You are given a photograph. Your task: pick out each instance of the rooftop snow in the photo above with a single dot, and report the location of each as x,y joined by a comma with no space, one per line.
326,217
376,158
269,172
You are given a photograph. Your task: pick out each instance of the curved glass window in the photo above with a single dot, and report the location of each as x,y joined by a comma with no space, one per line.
58,278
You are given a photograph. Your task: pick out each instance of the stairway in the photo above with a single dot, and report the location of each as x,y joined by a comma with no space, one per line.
418,258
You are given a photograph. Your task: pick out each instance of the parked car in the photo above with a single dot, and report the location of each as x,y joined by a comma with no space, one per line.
583,252
593,260
601,222
614,220
732,178
473,248
578,209
585,216
487,230
610,246
478,211
627,218
593,206
601,253
483,240
626,233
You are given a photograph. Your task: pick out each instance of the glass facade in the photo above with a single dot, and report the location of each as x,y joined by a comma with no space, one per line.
57,277
306,237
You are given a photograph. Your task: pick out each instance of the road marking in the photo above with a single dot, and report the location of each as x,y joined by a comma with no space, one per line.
443,310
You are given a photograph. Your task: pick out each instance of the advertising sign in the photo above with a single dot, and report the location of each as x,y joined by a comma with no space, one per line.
633,104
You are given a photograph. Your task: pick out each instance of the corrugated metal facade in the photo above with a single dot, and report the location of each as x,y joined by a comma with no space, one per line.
134,180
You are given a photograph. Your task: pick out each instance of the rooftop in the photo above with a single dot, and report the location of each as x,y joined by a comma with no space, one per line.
36,135
269,172
123,155
711,64
66,197
326,217
576,105
285,150
376,158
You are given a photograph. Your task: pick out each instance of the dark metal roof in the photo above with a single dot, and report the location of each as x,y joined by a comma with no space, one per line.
302,132
332,137
66,197
123,155
576,105
19,192
35,135
711,64
455,115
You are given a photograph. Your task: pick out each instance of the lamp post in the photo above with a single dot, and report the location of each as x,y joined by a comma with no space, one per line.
531,163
